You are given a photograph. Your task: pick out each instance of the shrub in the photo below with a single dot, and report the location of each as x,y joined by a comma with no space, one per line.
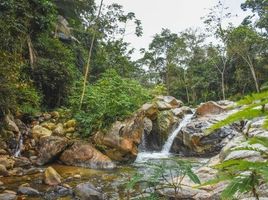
111,98
54,72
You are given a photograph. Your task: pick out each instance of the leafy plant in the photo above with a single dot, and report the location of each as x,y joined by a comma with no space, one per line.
167,174
111,98
254,105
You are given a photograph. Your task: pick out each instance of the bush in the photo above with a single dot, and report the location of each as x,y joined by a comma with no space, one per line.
111,98
16,91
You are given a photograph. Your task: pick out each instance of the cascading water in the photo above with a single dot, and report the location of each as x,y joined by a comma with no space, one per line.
164,153
18,147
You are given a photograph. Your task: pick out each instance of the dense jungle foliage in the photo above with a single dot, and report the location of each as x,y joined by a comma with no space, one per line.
44,47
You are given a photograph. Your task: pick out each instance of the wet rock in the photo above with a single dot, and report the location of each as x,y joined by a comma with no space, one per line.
180,112
148,125
50,148
192,140
59,130
51,177
84,155
1,183
209,108
22,162
3,170
39,132
86,191
78,176
63,191
28,191
8,196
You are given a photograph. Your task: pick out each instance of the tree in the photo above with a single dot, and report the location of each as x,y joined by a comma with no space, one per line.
214,24
247,43
260,8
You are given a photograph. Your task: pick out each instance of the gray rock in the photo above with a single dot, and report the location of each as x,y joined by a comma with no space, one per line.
28,191
86,191
7,196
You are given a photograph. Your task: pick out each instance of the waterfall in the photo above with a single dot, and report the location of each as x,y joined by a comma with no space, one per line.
167,146
18,147
164,153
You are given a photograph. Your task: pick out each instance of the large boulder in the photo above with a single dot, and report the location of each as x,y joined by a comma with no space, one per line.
193,140
209,108
50,148
122,140
86,191
85,155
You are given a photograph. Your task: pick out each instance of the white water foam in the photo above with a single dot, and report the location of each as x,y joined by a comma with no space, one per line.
164,153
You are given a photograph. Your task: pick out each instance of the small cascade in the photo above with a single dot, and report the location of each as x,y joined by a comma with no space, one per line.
18,147
143,156
142,146
167,146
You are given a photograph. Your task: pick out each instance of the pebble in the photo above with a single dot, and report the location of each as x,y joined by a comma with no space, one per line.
78,176
1,183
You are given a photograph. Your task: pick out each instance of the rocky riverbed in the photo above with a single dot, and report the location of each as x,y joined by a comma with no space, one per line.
43,157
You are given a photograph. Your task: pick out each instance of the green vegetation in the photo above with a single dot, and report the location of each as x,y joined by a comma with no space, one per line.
168,174
254,106
243,176
111,98
44,48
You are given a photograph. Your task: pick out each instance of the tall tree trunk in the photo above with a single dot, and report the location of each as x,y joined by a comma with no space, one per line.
31,51
222,85
89,59
252,69
186,88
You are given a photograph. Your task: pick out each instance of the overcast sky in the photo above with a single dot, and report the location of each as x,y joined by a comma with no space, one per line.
176,15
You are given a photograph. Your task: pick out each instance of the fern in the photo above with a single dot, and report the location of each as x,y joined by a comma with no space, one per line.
249,99
253,109
241,184
265,124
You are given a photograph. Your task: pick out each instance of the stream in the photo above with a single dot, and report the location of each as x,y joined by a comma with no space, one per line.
111,182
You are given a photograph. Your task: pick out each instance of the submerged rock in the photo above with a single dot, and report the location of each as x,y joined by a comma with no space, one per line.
51,177
86,191
85,155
